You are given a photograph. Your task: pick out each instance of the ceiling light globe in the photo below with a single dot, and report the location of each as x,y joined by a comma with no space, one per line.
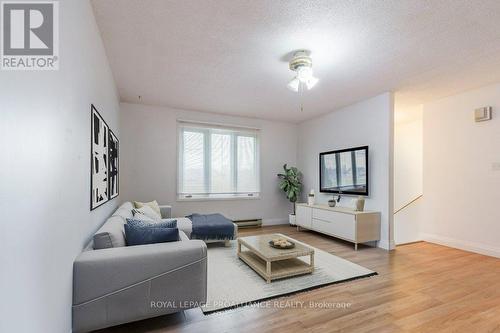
304,73
311,82
294,85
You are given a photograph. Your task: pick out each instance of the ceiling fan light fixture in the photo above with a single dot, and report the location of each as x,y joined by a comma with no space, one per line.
301,64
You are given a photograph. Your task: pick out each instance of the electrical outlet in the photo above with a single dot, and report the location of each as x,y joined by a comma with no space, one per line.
495,166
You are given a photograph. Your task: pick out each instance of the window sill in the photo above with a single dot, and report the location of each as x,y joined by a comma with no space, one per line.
231,198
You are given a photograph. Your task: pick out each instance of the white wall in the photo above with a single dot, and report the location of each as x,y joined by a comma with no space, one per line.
149,162
408,152
45,174
461,189
408,165
369,123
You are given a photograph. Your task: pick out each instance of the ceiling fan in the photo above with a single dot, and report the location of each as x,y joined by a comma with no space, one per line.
301,63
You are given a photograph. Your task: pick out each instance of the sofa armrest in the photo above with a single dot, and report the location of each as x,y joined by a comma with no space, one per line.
165,211
99,273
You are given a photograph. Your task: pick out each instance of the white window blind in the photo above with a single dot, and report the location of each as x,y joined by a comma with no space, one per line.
217,161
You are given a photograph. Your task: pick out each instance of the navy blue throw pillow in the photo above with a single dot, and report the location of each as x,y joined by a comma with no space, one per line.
149,235
160,224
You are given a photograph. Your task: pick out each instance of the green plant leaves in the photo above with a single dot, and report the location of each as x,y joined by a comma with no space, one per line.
290,182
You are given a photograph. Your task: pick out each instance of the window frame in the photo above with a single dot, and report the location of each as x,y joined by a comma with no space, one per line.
206,128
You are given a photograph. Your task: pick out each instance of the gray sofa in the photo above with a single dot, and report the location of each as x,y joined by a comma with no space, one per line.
122,284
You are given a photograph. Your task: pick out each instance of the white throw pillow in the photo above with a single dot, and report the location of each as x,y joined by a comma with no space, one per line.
146,211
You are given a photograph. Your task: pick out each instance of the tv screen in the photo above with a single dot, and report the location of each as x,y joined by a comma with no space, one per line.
344,171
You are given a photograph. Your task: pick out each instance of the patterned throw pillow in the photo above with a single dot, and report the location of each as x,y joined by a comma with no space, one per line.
152,204
152,224
142,217
147,211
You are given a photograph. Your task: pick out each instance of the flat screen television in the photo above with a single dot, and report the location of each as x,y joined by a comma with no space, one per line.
344,171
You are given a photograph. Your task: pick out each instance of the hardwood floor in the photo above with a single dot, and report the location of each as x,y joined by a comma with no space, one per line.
421,287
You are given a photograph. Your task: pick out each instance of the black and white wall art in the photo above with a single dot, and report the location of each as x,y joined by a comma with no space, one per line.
104,161
99,159
113,165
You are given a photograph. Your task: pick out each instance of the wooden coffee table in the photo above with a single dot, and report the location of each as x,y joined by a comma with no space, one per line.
271,263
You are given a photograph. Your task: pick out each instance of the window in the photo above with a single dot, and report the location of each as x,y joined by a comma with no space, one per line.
217,162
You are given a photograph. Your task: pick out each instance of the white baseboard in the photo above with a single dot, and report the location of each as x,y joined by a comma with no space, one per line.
462,245
268,222
409,241
386,244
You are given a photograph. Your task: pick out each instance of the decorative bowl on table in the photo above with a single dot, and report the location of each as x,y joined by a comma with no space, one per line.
281,243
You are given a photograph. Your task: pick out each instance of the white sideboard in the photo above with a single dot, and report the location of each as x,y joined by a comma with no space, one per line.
340,222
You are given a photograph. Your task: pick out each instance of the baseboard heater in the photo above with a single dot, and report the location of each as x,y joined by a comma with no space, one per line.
252,223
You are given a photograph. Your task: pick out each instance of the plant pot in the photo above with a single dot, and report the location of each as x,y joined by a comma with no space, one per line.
292,219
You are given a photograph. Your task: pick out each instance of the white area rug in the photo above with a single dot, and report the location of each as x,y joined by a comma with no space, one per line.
231,283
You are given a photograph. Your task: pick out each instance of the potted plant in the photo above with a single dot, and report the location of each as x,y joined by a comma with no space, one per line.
290,183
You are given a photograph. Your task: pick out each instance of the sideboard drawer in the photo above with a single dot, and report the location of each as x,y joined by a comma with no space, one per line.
341,225
331,216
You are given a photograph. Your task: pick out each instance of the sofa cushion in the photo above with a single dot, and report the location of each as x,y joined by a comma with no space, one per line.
149,235
110,234
124,211
182,236
153,204
156,224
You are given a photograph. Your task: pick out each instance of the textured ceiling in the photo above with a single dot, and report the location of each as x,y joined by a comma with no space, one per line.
230,56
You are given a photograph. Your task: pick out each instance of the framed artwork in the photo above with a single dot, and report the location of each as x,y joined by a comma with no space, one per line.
113,165
99,193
